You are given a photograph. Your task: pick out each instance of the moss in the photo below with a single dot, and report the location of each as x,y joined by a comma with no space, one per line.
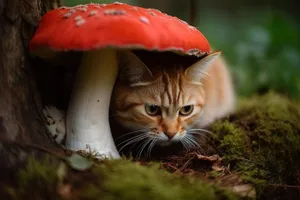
131,181
37,180
117,179
262,139
232,140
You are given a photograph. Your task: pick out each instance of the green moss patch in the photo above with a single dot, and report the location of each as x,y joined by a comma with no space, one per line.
266,132
261,141
107,180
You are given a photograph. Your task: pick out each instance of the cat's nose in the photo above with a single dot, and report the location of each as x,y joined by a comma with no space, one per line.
170,135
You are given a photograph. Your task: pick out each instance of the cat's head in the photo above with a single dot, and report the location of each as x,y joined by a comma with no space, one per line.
159,101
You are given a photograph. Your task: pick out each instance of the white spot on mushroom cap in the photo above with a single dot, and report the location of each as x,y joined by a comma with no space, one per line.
118,3
151,11
64,8
144,20
96,5
114,12
192,27
72,11
154,11
80,22
184,22
77,18
67,15
93,12
82,9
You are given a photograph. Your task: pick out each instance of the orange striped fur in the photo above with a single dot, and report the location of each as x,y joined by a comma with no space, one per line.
171,82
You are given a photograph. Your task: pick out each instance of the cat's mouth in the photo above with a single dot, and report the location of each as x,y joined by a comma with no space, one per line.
164,140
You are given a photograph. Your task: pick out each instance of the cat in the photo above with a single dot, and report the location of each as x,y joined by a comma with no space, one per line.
163,97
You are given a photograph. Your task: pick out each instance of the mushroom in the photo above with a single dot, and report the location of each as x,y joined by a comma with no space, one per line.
99,30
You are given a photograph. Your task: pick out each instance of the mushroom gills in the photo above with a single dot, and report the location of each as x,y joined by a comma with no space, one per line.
87,121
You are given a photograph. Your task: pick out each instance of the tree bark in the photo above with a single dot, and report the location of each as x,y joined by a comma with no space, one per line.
20,104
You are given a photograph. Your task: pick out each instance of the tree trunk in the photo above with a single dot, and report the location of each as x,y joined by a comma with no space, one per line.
20,104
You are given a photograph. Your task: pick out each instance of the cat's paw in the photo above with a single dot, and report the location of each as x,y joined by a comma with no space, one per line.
55,123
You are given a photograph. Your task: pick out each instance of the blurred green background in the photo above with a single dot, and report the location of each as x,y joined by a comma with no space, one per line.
260,39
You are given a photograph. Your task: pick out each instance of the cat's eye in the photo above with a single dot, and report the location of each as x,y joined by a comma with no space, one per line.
186,110
152,110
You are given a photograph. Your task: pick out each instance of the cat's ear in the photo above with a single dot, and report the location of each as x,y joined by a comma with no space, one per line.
198,70
132,69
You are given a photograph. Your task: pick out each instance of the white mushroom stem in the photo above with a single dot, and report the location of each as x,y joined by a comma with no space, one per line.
87,123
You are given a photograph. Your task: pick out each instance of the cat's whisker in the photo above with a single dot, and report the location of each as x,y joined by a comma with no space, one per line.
200,134
145,143
183,142
150,147
132,138
141,144
200,130
151,142
192,141
131,141
149,135
195,143
188,143
132,132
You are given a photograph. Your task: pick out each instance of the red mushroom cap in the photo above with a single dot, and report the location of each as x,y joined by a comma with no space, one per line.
95,26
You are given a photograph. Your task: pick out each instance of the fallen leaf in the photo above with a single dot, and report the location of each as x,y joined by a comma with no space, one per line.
218,167
244,190
79,163
215,159
212,158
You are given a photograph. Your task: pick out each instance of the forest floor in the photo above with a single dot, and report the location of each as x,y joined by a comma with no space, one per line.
253,154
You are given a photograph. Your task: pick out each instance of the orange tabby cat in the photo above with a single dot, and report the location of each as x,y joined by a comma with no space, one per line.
165,97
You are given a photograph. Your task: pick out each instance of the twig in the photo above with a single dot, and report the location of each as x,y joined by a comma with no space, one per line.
184,166
173,167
